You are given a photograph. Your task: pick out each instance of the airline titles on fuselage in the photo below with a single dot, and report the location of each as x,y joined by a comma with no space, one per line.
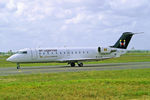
47,53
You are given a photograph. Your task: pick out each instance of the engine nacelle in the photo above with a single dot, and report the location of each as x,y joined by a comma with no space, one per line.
105,50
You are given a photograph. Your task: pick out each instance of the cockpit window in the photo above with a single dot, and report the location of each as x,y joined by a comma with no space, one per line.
22,52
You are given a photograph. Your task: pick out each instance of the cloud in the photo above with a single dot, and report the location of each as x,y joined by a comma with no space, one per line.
77,19
130,8
54,23
127,4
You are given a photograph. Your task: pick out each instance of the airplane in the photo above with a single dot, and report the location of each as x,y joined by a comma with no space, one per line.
72,55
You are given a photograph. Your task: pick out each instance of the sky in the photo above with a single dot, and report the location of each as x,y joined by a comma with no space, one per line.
72,23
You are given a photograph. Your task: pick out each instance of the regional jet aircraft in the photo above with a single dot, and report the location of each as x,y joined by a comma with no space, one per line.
72,55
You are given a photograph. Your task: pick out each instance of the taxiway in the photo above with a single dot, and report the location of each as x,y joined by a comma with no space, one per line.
55,69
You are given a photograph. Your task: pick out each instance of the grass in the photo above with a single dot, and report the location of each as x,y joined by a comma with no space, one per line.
129,57
89,85
96,85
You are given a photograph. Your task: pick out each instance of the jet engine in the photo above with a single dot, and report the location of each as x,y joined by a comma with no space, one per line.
106,50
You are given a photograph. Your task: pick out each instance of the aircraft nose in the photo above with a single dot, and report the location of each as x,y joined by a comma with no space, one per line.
10,59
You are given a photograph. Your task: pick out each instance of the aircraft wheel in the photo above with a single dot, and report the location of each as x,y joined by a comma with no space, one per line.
80,64
72,64
18,66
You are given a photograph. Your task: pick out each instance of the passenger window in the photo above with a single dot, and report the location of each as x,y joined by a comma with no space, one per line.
60,52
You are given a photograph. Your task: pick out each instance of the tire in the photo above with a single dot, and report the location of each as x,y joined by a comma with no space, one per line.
18,67
72,64
80,64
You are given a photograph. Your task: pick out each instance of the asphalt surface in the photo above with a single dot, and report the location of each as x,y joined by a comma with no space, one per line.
56,69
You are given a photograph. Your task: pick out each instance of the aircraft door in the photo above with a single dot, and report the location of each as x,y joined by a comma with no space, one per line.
68,53
34,55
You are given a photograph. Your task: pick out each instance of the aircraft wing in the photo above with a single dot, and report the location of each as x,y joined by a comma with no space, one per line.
80,59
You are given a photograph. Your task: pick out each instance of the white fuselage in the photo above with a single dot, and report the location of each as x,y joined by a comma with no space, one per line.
40,55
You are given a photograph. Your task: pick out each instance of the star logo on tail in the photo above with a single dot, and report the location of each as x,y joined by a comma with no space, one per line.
122,43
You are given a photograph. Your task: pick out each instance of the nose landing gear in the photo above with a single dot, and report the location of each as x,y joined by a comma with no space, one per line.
18,66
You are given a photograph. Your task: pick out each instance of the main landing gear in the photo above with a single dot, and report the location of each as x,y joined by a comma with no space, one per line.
80,64
72,64
18,66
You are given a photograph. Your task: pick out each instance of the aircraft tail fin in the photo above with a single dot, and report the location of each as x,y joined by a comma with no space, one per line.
123,41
